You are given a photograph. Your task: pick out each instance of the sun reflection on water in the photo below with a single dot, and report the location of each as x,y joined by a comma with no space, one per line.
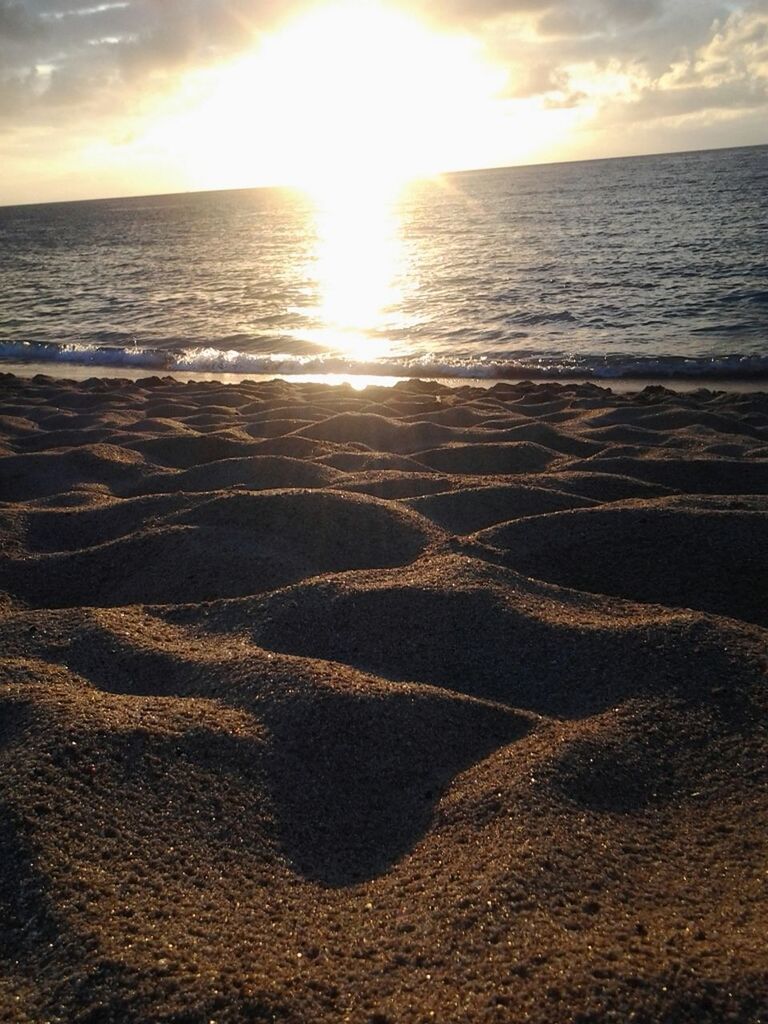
357,269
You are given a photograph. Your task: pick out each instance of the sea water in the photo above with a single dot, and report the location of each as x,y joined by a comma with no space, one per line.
639,267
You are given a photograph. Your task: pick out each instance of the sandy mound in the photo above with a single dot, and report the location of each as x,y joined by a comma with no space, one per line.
228,544
712,559
402,705
257,473
603,487
494,634
24,477
491,459
693,475
465,511
393,483
187,450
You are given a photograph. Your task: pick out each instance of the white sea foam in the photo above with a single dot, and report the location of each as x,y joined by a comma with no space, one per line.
211,359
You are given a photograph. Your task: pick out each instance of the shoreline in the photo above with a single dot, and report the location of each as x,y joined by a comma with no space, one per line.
621,385
411,703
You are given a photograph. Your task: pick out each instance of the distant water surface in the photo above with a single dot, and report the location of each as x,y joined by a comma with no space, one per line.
646,266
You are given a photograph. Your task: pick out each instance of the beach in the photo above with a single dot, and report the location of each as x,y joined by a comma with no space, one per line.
407,704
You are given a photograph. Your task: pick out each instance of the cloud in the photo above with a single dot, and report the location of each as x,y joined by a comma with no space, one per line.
599,17
92,47
468,11
71,68
728,73
169,34
57,53
536,80
16,22
645,62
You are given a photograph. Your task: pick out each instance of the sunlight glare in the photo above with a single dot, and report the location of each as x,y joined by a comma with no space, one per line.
348,102
346,91
357,260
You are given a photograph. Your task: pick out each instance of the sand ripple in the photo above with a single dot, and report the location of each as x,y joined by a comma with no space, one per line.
398,705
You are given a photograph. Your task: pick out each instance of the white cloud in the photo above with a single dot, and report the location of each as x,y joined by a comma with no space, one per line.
727,73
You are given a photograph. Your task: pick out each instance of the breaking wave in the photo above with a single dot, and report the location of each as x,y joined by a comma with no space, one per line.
221,361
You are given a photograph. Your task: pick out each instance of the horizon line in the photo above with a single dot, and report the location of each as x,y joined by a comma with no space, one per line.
425,177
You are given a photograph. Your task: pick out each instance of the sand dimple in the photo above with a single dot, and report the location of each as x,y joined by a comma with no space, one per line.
399,705
221,544
711,558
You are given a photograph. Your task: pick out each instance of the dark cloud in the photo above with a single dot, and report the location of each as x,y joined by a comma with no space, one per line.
651,37
89,47
185,31
727,78
173,33
17,23
566,17
12,93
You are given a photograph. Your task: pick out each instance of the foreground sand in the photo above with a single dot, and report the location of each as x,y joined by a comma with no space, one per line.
403,705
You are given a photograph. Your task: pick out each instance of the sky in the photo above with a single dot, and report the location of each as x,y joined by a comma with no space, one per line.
129,97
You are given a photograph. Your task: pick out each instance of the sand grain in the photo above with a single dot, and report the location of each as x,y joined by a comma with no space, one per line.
404,705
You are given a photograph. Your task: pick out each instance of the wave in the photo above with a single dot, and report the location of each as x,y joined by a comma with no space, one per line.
535,366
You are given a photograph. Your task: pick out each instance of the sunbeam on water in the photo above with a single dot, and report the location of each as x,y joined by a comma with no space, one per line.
566,270
358,267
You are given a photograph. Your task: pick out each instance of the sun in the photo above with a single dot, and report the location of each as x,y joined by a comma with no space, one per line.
371,93
349,93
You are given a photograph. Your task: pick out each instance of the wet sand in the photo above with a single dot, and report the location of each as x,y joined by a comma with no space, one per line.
408,704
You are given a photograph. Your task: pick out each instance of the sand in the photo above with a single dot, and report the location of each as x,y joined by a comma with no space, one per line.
407,704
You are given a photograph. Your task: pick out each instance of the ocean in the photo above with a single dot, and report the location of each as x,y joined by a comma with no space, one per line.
643,267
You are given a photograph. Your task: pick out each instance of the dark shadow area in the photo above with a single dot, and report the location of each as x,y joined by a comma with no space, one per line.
29,924
713,561
472,509
355,780
229,544
487,643
352,778
691,475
